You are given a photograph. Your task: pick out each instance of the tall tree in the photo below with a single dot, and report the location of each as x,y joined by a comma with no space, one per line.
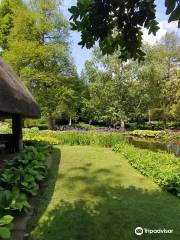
6,23
108,79
39,52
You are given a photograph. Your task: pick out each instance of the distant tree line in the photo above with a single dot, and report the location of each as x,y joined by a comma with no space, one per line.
134,91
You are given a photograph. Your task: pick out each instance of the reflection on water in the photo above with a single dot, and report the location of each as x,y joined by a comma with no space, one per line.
154,145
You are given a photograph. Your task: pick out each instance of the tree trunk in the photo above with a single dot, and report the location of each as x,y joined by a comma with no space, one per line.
149,113
50,123
122,126
70,121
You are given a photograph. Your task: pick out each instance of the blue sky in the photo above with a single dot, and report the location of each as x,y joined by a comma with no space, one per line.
81,55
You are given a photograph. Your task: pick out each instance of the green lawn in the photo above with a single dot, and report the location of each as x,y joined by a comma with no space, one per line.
94,194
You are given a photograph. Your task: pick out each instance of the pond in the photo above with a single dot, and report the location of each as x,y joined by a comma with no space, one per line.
155,145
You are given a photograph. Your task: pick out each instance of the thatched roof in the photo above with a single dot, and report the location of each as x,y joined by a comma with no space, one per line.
14,96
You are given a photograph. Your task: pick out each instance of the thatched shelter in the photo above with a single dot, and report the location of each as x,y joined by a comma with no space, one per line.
16,102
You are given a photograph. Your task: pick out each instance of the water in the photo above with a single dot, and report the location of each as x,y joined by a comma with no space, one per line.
155,145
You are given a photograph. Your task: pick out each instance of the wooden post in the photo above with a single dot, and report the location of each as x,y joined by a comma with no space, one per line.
17,132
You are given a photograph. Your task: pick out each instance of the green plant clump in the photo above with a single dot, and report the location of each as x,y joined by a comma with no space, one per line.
163,168
5,128
20,178
86,138
26,170
32,138
164,135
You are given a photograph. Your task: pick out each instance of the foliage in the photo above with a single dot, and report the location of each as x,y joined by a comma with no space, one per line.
173,8
165,135
46,139
4,128
85,138
26,170
148,133
158,125
12,200
20,178
118,24
134,92
38,50
160,78
5,226
108,82
146,126
85,126
114,24
163,168
32,130
32,135
6,22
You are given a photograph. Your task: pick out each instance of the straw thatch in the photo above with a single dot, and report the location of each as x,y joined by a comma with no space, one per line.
15,98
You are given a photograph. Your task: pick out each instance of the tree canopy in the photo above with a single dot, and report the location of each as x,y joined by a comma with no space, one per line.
131,91
118,24
36,44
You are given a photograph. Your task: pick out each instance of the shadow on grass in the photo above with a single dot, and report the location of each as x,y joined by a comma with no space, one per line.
115,217
42,200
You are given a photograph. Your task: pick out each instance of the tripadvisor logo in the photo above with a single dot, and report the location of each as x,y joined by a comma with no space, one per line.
139,231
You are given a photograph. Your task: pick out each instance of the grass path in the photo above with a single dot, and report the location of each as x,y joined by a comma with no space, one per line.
94,194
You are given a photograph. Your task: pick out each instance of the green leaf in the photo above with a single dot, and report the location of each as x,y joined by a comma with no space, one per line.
5,233
84,2
6,220
175,15
170,5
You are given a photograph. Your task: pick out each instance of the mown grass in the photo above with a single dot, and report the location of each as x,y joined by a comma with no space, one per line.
99,196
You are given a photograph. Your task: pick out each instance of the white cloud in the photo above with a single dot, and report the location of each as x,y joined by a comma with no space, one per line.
164,27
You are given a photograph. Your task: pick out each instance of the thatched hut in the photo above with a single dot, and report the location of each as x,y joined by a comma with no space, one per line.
17,103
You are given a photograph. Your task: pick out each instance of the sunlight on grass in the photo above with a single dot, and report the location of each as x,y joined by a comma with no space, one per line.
99,196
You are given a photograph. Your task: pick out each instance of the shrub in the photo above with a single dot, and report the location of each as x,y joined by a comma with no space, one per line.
42,126
33,130
26,170
5,128
38,138
13,200
85,126
173,125
148,133
163,168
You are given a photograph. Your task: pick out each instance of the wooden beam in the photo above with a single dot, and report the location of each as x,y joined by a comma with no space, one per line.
17,132
4,115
